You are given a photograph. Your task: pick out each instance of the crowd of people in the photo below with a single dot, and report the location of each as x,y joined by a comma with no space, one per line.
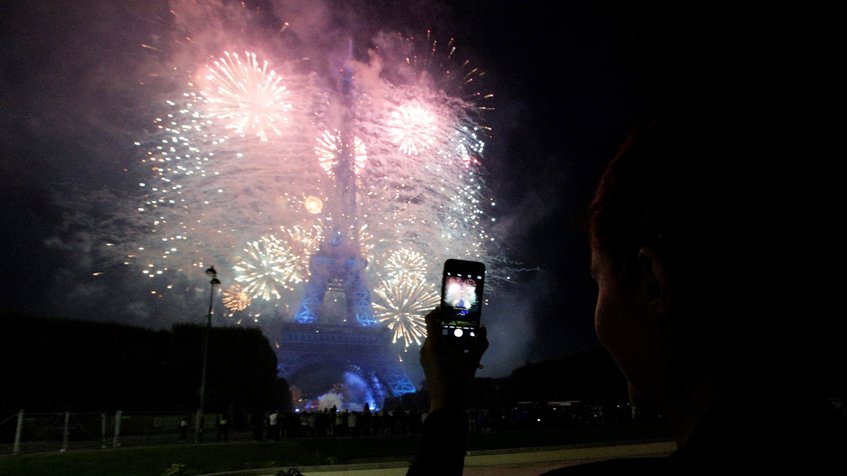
332,421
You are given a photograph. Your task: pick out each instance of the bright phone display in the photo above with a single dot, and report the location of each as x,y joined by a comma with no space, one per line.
461,299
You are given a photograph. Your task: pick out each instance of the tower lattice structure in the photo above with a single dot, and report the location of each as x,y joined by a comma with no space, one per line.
334,326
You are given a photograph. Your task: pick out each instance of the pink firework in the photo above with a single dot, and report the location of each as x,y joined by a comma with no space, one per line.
246,96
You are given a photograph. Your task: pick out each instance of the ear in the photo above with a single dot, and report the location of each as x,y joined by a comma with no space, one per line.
656,285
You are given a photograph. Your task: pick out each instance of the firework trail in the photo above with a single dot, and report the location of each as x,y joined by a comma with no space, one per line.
238,172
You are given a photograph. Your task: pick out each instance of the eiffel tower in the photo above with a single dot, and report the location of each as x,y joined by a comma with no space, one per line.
334,329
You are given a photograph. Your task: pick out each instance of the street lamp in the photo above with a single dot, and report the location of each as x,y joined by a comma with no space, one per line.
198,427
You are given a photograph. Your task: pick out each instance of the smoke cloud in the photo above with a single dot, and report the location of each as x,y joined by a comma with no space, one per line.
81,83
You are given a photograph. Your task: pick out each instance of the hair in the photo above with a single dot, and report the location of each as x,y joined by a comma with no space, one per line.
687,183
723,190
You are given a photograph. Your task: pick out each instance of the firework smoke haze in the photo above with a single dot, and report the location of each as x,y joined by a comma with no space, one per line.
129,167
204,141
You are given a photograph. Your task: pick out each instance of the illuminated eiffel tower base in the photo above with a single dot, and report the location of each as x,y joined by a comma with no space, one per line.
335,333
334,329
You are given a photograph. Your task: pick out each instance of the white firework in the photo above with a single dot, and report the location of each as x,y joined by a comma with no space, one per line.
267,266
420,196
247,96
331,144
413,128
401,306
406,264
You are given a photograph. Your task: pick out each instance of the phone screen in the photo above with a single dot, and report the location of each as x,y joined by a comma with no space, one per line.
461,299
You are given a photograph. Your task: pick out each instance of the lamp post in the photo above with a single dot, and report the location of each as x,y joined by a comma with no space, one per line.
198,427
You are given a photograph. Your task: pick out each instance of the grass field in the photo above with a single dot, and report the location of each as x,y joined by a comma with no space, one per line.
207,458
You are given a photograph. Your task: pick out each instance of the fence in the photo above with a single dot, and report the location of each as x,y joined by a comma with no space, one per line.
26,432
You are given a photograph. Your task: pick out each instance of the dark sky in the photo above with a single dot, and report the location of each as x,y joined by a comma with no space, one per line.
570,78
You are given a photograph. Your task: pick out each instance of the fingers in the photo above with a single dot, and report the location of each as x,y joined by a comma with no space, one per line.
431,320
434,347
480,345
482,337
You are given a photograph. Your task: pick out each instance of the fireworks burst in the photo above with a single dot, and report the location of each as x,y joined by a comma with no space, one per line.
303,243
406,264
401,306
236,299
248,97
268,266
330,145
261,208
413,129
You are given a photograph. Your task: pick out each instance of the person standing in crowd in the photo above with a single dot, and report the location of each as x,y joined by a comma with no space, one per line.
183,429
257,423
701,289
223,427
717,248
273,426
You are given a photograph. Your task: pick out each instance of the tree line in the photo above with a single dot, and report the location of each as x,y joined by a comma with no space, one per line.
50,364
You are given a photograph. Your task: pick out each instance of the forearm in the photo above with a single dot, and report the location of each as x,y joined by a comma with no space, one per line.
442,450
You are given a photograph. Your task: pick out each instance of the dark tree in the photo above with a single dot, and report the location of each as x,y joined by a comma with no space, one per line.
53,363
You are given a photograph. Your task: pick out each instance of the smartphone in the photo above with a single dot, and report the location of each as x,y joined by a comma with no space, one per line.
462,284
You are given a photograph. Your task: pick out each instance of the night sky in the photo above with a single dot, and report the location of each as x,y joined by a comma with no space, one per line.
569,78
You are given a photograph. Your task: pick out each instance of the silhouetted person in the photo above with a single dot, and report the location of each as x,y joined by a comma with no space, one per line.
273,425
705,230
257,422
183,429
223,427
365,419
